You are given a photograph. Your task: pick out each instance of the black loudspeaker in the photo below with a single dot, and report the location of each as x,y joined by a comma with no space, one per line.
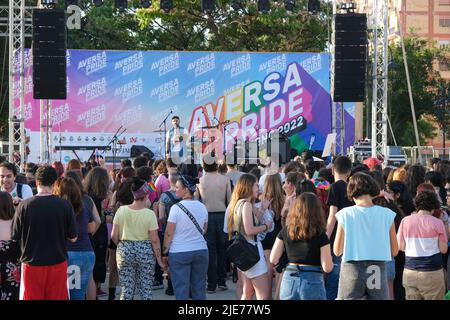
49,54
350,57
136,151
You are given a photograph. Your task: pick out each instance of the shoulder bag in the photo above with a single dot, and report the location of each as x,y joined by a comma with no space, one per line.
243,254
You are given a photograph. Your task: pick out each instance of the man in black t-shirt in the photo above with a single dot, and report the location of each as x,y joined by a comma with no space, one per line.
337,200
42,224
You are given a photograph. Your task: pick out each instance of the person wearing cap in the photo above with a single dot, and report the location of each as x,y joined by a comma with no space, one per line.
135,231
185,246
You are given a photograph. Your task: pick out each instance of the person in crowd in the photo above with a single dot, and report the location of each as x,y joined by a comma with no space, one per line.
125,163
172,168
402,197
166,201
436,179
42,225
305,185
135,232
415,175
123,197
273,167
73,164
244,218
337,200
96,185
308,250
423,239
273,189
293,166
80,253
185,247
140,162
145,173
233,174
30,171
289,187
18,191
76,175
214,191
366,239
394,268
399,175
9,251
162,183
59,167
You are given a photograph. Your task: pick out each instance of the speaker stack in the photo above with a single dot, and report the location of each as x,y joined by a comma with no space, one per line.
49,54
350,57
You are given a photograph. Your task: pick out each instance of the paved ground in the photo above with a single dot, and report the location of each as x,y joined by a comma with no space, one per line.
229,294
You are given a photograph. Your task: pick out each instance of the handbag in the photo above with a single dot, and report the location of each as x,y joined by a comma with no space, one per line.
243,254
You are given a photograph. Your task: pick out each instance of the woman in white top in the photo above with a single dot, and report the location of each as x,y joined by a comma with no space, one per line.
185,247
244,217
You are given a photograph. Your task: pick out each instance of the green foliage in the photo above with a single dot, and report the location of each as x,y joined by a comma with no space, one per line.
425,80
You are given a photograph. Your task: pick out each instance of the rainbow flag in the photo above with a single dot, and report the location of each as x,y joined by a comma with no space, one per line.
152,186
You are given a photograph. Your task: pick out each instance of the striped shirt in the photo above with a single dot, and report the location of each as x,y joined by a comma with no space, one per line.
421,235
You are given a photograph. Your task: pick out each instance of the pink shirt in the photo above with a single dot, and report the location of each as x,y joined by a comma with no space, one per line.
162,184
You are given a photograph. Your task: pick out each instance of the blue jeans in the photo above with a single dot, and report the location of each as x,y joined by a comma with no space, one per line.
302,283
332,278
79,269
188,272
217,247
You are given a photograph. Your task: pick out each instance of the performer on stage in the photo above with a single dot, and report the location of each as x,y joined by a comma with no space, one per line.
176,139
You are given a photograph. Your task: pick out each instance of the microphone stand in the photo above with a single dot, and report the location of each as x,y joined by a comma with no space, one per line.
165,131
113,141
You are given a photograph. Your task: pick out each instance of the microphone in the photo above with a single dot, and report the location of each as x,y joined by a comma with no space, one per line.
312,138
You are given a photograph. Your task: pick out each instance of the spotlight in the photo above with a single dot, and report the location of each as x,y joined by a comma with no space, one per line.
313,6
166,5
237,4
208,5
98,3
146,4
263,5
289,5
121,5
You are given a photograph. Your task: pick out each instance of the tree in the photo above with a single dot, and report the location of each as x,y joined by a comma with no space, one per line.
425,80
186,27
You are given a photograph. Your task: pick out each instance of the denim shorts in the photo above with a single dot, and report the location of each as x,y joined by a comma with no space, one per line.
390,270
303,283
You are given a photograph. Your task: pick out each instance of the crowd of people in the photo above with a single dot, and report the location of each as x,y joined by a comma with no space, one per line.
322,231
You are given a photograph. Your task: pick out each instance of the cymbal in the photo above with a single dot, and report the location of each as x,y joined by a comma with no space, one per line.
159,131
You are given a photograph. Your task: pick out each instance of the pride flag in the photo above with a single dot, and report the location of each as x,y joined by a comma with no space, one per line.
152,186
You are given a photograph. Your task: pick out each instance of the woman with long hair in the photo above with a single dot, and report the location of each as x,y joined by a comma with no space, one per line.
80,252
402,197
308,249
96,185
135,232
415,175
9,251
273,189
244,218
